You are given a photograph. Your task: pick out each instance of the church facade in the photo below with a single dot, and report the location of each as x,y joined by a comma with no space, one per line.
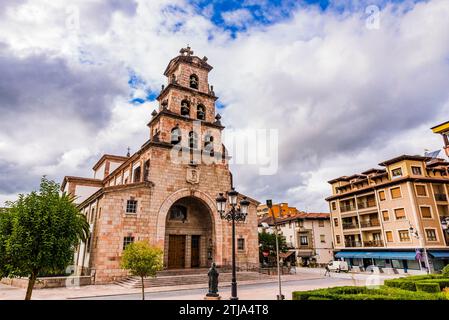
165,192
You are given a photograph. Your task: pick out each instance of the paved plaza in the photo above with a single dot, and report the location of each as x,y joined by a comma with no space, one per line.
248,290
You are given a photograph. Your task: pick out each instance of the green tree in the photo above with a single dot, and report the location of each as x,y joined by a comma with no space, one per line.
142,260
267,242
39,233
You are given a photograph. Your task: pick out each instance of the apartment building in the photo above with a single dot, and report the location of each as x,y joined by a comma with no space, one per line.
308,237
443,129
392,216
279,210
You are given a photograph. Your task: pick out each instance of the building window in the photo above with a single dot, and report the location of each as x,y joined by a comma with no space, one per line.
395,193
127,241
396,173
431,235
92,215
304,240
386,215
334,205
426,212
88,244
382,195
146,171
194,81
136,175
175,137
320,223
193,140
322,238
131,206
300,223
241,244
389,236
399,213
421,190
178,213
336,222
416,171
185,108
404,235
337,237
200,112
209,144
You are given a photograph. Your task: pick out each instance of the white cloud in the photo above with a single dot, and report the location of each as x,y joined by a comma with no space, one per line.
343,97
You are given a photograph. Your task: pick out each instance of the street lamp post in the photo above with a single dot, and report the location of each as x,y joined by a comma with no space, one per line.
414,232
235,214
280,295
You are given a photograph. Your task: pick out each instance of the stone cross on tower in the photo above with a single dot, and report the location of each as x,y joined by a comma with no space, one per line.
186,51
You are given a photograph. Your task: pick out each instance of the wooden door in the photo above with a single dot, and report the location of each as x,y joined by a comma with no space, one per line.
195,254
176,251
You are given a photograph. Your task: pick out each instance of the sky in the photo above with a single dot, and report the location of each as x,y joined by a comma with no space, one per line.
347,84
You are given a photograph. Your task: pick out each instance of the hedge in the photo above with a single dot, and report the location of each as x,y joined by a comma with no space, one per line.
409,283
363,293
428,287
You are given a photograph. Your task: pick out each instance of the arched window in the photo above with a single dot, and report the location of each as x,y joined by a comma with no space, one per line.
175,135
194,81
209,144
185,108
193,140
200,112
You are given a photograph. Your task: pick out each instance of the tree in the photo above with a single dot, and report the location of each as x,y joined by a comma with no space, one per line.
267,243
142,260
39,233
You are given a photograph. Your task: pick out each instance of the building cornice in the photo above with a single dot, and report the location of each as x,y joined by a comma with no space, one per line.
168,113
170,86
385,184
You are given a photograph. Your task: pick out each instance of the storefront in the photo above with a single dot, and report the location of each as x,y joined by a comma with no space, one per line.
404,261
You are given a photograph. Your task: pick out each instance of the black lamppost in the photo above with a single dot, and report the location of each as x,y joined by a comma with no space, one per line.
235,214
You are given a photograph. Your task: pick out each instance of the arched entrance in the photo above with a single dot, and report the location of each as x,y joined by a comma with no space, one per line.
188,234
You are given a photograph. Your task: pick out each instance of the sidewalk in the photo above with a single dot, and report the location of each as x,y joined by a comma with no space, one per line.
13,293
350,275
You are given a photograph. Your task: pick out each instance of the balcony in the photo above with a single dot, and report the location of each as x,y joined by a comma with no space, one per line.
370,224
373,243
353,244
347,207
440,197
349,226
367,204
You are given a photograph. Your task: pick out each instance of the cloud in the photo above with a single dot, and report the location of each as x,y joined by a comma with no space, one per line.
239,18
343,97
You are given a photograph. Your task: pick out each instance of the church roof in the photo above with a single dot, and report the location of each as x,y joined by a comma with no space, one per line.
186,56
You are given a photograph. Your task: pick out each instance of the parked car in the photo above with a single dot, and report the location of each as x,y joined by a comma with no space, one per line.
337,266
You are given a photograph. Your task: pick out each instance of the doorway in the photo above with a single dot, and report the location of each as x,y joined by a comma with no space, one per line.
176,251
195,254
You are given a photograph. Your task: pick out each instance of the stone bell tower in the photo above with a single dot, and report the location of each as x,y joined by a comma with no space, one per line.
188,98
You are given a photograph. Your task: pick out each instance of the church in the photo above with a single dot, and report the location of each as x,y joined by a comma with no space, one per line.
165,192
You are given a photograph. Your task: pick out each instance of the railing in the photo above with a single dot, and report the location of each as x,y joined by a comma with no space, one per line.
440,197
353,244
374,243
371,223
365,205
349,226
347,207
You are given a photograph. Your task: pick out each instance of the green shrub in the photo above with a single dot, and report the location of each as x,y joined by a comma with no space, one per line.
445,271
431,287
401,284
443,283
363,293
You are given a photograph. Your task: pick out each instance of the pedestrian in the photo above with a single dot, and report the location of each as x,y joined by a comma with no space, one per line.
328,271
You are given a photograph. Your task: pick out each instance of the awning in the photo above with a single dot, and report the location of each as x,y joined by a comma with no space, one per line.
440,254
396,255
285,255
